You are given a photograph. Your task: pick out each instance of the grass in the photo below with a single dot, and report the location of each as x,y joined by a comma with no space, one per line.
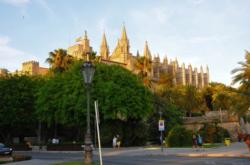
74,163
212,145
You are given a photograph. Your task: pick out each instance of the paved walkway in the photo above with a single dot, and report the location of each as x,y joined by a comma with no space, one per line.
235,150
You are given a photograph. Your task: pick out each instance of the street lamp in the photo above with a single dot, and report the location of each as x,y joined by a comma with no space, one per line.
88,71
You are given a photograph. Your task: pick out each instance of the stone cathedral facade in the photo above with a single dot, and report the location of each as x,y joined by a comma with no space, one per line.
121,55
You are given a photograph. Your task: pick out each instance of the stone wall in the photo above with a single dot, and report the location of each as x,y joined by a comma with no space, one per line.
223,118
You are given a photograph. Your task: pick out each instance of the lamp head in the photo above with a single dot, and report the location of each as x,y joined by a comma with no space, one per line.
88,71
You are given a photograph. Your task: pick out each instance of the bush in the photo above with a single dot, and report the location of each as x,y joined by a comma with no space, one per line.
179,137
64,147
213,133
20,147
131,132
17,158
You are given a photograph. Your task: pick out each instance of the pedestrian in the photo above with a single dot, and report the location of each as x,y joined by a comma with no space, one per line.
194,139
247,141
114,141
199,141
118,141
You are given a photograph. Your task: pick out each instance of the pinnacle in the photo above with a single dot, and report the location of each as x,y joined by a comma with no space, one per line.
146,52
85,34
124,34
104,40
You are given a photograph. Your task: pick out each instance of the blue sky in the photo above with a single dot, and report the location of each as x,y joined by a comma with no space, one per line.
200,32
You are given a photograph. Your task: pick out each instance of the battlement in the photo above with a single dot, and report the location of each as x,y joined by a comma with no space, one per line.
32,62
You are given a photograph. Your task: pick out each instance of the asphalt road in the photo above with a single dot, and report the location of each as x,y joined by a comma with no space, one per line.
140,159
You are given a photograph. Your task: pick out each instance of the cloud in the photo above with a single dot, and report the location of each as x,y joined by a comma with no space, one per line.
18,3
11,57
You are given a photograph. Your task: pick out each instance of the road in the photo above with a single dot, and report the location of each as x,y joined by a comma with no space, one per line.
45,158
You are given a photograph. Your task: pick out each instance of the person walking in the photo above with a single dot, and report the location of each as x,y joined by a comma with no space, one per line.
199,141
194,139
118,141
247,141
114,141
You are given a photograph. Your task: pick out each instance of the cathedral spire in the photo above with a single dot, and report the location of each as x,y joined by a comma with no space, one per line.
124,34
104,49
104,40
137,54
85,35
146,52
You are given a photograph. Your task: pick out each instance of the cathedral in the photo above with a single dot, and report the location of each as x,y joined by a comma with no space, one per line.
121,55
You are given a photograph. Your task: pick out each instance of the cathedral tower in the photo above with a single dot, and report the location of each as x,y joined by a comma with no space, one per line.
104,49
121,53
80,50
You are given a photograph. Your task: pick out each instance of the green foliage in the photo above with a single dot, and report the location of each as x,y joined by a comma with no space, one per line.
132,132
121,95
17,108
213,133
170,113
242,73
59,60
179,137
240,103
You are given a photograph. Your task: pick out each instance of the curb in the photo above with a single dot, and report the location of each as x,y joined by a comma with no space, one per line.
214,155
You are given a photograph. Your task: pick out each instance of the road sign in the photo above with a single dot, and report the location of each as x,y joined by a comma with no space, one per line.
161,125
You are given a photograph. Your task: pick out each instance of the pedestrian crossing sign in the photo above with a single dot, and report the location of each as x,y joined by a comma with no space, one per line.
161,125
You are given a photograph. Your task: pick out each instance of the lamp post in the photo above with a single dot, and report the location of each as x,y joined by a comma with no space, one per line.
88,71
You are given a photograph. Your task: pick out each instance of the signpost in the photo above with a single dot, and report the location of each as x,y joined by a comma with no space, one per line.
98,132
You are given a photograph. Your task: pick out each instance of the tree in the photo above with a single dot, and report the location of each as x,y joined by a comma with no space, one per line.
171,113
124,102
243,73
222,96
164,82
241,100
59,60
192,100
17,109
144,67
207,94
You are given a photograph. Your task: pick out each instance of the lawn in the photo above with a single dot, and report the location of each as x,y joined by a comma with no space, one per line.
212,145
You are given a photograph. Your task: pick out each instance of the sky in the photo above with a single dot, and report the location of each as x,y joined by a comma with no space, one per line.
197,32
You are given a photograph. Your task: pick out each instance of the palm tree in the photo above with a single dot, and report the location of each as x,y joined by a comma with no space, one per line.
59,60
221,100
165,81
243,73
242,76
144,66
192,99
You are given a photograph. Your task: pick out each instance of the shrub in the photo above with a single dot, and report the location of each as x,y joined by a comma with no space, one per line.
213,133
179,137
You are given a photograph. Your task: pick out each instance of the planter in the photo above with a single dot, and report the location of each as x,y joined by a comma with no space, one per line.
64,147
20,147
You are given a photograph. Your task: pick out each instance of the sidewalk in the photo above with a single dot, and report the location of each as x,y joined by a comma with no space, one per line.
239,150
236,150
